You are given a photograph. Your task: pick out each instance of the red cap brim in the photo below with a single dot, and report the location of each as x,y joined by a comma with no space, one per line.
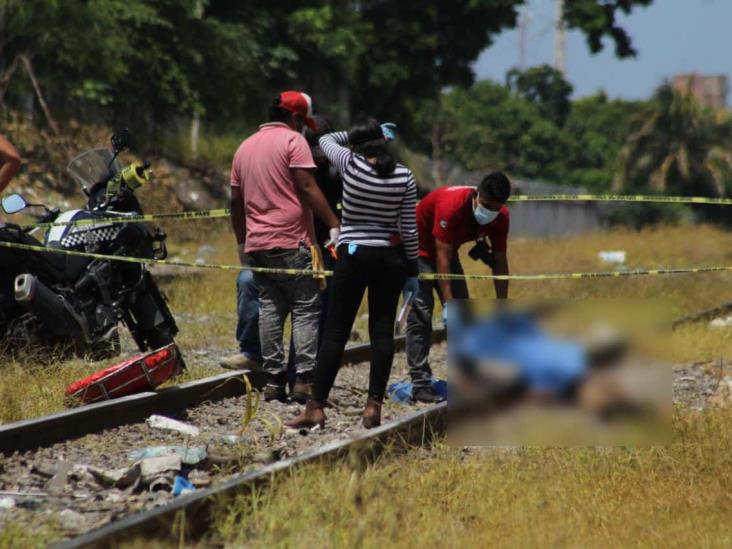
310,123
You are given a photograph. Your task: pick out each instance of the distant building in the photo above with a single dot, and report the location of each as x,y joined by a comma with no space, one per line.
709,91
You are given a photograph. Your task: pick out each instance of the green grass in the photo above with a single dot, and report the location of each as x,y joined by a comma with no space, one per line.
215,149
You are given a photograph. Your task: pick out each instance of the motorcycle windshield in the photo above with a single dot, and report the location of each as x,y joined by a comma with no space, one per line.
93,166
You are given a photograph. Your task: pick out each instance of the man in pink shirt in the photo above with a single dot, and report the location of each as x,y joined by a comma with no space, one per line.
273,198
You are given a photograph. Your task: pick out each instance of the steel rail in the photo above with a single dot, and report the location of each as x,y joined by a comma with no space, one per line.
48,430
191,517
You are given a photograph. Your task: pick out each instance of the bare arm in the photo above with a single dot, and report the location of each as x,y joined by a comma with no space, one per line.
444,253
501,268
313,196
9,162
238,219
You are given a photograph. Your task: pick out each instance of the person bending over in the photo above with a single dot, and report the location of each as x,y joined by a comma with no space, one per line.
447,218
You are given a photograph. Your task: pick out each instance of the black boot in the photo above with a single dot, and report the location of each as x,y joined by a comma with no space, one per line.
275,388
303,388
425,394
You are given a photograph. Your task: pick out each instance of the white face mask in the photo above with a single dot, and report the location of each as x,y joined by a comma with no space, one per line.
483,215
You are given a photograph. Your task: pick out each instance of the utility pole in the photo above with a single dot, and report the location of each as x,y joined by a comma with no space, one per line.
560,38
523,22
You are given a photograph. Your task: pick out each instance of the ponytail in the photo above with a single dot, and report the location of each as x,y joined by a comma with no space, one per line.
368,140
385,163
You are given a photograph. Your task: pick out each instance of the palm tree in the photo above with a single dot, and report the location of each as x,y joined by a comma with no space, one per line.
682,148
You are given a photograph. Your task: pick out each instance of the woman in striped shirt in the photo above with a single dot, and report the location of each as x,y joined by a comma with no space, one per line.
377,250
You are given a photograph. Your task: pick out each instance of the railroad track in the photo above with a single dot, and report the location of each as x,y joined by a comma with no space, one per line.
41,451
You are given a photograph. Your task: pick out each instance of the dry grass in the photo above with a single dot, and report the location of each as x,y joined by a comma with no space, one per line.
676,496
570,497
29,390
617,497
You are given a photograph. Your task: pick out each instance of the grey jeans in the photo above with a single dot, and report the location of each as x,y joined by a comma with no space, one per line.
280,295
419,322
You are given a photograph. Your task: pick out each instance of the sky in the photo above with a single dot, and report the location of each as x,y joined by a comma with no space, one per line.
671,36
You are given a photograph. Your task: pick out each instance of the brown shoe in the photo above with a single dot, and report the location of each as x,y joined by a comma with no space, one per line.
240,361
312,415
303,388
372,413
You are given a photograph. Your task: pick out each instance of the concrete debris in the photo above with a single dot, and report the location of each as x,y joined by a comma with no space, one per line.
271,455
199,479
6,503
119,478
155,466
115,496
161,422
71,520
57,484
44,468
22,494
189,456
721,322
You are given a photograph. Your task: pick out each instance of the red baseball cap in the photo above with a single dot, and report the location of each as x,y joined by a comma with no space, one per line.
300,104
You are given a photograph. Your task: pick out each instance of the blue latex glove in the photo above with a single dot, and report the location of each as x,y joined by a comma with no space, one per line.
411,286
388,128
444,315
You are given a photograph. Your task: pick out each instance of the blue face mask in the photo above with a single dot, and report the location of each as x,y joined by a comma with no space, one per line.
483,215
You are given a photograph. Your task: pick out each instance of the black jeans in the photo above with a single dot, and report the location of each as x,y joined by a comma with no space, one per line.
419,322
383,270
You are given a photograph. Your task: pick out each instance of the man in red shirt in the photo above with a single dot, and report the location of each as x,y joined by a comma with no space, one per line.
446,219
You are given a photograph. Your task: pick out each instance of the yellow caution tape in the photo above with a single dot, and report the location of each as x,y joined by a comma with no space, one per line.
268,270
200,214
621,198
423,276
224,212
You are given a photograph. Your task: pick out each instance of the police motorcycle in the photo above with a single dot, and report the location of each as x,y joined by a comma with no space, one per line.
74,304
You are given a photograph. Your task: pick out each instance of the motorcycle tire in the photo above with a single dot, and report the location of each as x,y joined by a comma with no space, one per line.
106,348
157,338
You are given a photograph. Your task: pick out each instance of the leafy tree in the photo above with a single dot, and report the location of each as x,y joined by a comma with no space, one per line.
489,128
419,48
154,60
596,130
545,86
682,148
597,19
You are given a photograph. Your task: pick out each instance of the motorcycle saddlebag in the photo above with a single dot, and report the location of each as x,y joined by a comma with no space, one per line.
134,375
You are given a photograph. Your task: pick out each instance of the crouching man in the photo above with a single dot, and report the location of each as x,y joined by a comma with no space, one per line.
446,219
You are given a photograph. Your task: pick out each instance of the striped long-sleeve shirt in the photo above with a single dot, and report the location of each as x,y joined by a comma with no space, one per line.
374,207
